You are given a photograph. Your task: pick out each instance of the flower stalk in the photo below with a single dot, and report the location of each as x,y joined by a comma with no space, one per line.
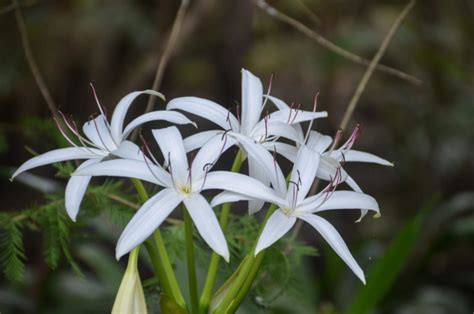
192,278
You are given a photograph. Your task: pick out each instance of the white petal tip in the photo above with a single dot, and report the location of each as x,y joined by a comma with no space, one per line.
11,179
377,215
194,125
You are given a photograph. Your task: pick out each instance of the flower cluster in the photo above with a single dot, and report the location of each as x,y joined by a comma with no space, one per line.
107,152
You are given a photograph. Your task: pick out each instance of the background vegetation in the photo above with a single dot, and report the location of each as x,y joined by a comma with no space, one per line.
418,255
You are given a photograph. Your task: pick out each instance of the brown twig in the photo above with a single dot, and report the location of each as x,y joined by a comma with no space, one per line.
169,49
271,11
361,87
32,62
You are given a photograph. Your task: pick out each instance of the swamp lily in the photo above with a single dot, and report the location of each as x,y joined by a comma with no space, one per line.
283,123
183,183
130,297
101,140
331,161
294,204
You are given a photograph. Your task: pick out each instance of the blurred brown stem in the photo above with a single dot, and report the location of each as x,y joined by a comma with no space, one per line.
361,87
271,11
32,62
169,49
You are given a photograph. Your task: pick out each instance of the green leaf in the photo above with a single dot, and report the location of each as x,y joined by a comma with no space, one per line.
384,273
12,252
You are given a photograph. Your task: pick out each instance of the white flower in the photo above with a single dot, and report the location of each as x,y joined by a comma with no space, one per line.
182,184
332,160
293,203
282,123
130,297
102,139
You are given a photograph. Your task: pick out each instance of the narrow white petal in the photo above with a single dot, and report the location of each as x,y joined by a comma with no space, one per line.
265,160
303,174
276,227
75,189
286,150
98,132
129,150
171,145
278,129
242,184
281,105
206,109
197,140
209,154
129,169
328,167
122,107
252,100
363,211
162,115
57,155
338,200
206,224
332,237
358,156
318,141
292,116
147,219
229,197
257,172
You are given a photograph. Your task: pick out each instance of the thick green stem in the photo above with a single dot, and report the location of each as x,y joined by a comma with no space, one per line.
192,278
159,256
248,271
215,258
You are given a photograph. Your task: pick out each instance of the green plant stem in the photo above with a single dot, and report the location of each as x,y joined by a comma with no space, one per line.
192,279
215,258
248,271
159,256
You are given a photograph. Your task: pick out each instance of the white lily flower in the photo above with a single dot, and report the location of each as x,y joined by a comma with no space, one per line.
182,184
283,123
332,160
102,140
293,203
130,297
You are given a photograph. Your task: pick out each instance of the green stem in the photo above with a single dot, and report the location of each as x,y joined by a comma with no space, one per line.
192,279
215,258
160,259
248,271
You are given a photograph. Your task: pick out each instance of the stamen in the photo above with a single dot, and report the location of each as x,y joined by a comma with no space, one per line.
147,147
206,168
310,126
337,139
171,169
268,91
149,167
63,132
100,137
297,110
289,114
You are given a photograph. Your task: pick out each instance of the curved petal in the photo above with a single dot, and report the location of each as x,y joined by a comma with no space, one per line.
266,161
242,184
338,200
229,197
206,109
278,129
206,224
303,174
333,238
147,219
276,227
162,115
256,172
281,105
292,116
328,168
286,150
57,155
98,132
197,140
130,150
129,169
252,101
318,142
75,189
209,154
171,145
358,156
121,109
